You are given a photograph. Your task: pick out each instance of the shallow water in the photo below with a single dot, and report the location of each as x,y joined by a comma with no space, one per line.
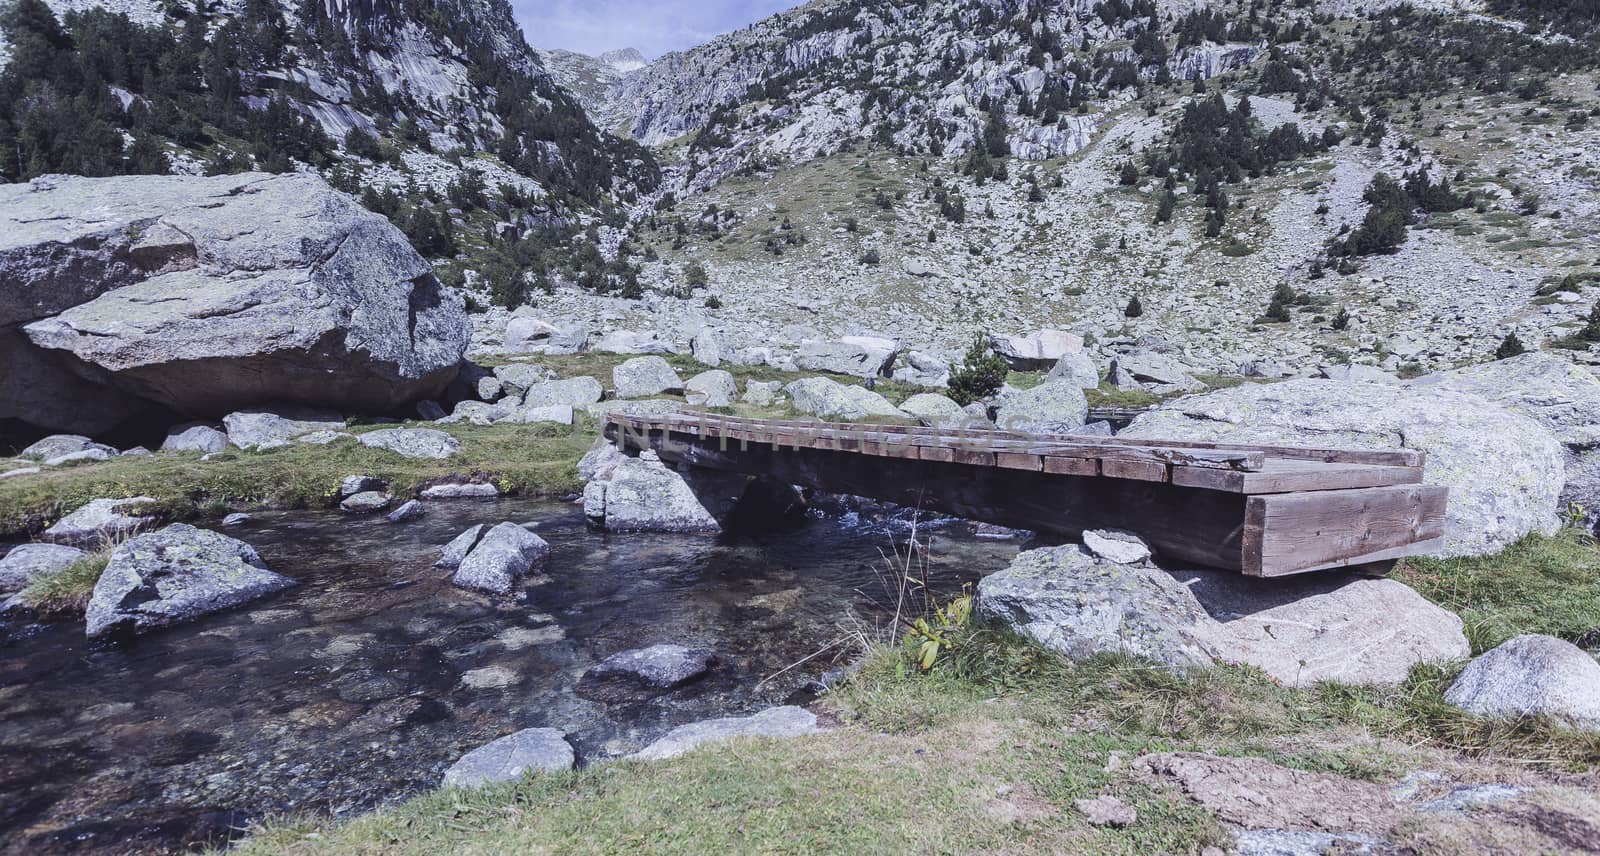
363,683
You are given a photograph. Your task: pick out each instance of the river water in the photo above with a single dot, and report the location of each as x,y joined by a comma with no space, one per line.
363,683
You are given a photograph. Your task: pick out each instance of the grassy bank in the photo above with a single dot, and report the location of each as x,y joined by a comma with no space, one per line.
989,750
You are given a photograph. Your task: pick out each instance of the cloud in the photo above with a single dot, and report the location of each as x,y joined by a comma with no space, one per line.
652,26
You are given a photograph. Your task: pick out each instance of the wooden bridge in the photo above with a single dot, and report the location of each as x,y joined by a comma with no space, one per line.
1263,510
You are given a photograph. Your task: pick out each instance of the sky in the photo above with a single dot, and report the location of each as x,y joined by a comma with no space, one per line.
653,26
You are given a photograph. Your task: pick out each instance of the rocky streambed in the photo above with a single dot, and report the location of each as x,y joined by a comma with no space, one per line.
367,680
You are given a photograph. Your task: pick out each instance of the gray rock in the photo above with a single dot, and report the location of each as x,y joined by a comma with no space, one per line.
1504,470
630,342
467,490
429,410
352,485
1106,810
1145,366
41,389
318,438
479,413
257,429
1299,630
1037,350
1098,428
516,379
174,575
861,356
575,391
489,388
1076,368
762,393
423,443
828,399
920,369
508,759
525,335
786,721
638,407
555,414
407,512
706,347
209,293
196,437
135,452
100,520
58,446
20,471
27,562
916,267
715,388
934,410
76,457
1357,373
1532,676
1556,393
504,553
1052,407
236,519
601,459
366,502
642,377
1267,369
659,667
458,548
1116,546
644,495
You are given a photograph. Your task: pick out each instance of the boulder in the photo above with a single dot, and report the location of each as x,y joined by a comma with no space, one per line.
100,520
504,553
1116,546
1532,676
174,575
58,446
488,388
1560,395
759,393
861,356
195,437
1077,368
1037,350
920,369
41,389
1106,810
238,518
715,388
75,457
525,335
785,721
660,667
508,759
1052,407
601,459
643,377
480,413
351,485
637,407
1143,366
515,379
461,490
20,471
643,495
934,410
209,293
366,502
1299,630
420,443
258,429
706,347
828,399
1505,471
630,342
410,510
579,391
555,414
451,554
27,562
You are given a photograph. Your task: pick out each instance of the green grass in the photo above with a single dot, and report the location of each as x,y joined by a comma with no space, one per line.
523,459
67,591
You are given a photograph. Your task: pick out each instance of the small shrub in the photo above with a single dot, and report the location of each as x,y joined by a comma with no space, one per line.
1510,346
981,374
694,274
1134,308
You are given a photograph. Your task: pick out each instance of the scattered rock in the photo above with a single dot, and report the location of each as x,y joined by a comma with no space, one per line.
427,443
511,757
1532,676
1355,373
1037,350
26,562
1504,470
504,553
410,510
660,667
1116,546
643,377
366,502
466,490
830,400
58,446
861,356
352,485
599,461
174,575
934,410
75,457
556,414
101,520
715,388
1107,810
786,721
1255,794
1145,366
920,369
1052,407
762,393
580,391
1299,630
1076,368
318,438
706,347
459,546
489,388
195,437
265,429
526,335
236,519
515,379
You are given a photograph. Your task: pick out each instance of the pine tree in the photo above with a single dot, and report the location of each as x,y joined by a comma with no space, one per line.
1134,309
981,374
1510,346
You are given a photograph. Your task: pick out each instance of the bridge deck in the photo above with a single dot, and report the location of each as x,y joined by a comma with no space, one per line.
1264,510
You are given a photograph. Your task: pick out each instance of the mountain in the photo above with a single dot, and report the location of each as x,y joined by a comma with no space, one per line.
589,78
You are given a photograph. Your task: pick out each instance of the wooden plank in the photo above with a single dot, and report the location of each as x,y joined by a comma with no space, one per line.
1065,466
1018,461
1283,475
1304,531
1123,468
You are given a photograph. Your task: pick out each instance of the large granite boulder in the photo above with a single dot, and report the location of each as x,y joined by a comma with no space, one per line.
40,388
644,495
1557,393
784,721
27,562
206,294
1052,407
1037,350
1078,368
498,558
174,575
1504,470
643,377
1299,630
510,757
1532,676
100,520
513,380
714,388
835,401
862,356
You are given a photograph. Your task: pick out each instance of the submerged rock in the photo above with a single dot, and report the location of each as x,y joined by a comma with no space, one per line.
174,575
1532,676
101,519
423,443
660,667
1299,630
508,759
409,511
785,721
643,495
502,555
461,490
366,502
27,562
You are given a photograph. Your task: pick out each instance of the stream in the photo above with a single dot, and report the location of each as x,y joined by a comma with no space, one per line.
359,686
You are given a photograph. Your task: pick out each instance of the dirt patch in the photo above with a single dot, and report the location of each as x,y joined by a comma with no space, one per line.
1256,794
